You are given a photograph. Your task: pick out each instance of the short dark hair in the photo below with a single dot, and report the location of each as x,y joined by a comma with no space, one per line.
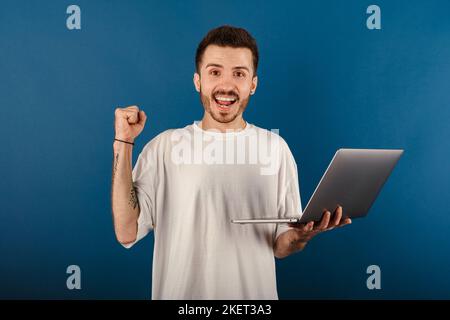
227,36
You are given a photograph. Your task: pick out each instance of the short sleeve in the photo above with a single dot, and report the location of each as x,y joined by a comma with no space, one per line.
144,177
289,202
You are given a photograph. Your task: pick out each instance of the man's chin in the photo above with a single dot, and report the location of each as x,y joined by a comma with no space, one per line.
223,117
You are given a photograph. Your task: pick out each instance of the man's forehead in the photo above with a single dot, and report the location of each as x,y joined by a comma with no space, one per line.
227,56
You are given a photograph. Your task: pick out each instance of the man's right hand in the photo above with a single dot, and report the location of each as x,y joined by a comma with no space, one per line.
129,123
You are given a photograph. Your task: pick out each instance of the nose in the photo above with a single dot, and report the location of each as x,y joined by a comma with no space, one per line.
227,84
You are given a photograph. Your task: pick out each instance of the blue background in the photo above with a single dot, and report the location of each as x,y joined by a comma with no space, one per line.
325,81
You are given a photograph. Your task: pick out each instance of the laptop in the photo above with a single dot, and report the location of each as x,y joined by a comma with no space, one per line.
353,180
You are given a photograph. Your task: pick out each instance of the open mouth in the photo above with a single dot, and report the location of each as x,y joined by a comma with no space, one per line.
225,102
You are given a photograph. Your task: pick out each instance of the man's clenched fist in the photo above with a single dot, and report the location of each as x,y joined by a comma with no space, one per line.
129,123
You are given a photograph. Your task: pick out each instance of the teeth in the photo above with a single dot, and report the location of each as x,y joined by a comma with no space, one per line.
225,99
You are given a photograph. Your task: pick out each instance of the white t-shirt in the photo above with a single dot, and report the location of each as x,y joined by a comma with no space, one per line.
190,183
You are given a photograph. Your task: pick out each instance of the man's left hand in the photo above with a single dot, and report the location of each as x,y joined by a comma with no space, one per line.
305,232
296,238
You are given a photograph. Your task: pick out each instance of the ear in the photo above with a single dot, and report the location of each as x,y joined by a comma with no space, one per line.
197,81
254,85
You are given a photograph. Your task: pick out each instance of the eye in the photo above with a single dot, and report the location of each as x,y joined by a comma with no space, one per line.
239,74
214,72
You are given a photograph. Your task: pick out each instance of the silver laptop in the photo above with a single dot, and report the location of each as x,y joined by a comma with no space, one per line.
353,179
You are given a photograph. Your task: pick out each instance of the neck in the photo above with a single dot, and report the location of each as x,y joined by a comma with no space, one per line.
208,123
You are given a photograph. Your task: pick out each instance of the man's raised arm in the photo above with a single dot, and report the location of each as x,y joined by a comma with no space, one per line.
129,123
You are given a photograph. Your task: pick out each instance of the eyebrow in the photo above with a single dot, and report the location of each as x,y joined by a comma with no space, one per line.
213,65
220,66
241,67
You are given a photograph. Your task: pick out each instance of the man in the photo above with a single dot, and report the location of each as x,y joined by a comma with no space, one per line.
188,194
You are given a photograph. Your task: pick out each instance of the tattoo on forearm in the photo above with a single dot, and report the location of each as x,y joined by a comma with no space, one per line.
115,162
133,199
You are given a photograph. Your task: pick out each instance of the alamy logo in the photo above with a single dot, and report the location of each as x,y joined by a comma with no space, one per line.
74,280
374,280
74,20
374,20
256,147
